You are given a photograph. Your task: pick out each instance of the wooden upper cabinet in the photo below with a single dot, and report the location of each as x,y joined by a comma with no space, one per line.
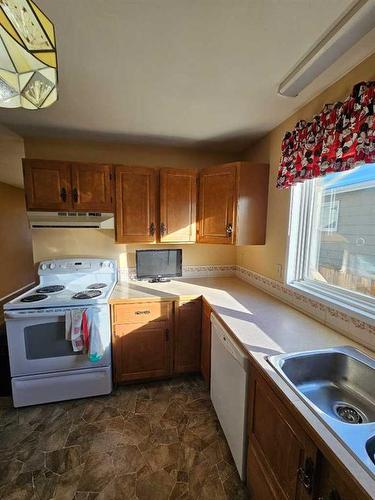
92,187
63,186
187,341
217,204
135,205
178,199
47,185
233,204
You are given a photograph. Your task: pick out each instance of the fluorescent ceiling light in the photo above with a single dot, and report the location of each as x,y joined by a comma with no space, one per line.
353,25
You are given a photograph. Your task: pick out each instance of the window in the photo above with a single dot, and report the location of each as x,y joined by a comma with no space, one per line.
332,237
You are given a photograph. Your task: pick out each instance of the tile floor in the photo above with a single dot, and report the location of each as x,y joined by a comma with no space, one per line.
148,442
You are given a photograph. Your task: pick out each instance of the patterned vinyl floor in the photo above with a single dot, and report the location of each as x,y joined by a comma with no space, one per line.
148,442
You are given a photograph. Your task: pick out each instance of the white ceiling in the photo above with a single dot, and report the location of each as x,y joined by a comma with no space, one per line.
186,72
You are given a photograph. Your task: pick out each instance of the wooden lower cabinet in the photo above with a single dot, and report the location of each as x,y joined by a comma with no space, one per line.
206,342
284,462
331,485
142,349
279,449
154,339
187,339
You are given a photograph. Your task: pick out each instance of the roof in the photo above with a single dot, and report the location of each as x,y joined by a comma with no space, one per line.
361,175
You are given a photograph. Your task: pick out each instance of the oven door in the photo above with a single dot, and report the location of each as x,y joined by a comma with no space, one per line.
36,342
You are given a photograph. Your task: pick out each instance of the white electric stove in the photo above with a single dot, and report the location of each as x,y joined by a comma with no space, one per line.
44,367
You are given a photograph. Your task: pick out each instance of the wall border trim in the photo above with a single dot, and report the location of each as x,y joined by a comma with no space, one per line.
351,326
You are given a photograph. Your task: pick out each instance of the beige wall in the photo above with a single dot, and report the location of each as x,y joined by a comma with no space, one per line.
15,241
15,236
11,153
263,259
49,243
128,154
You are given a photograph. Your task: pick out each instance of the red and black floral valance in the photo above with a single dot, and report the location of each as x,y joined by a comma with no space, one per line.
341,137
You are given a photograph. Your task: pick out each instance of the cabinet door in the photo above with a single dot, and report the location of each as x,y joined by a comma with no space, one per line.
135,205
187,347
217,204
92,187
142,351
281,457
331,485
206,342
47,185
178,198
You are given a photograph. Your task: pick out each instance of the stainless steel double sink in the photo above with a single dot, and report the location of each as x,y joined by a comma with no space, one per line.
338,384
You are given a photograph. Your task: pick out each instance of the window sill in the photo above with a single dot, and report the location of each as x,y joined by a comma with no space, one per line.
362,310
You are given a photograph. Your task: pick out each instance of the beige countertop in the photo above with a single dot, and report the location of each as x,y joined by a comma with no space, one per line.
263,326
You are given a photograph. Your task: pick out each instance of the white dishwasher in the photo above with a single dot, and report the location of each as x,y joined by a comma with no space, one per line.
229,378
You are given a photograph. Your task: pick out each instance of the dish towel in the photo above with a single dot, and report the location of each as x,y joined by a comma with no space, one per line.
82,330
73,328
96,348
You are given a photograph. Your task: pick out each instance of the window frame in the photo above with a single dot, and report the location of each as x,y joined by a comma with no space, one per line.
302,205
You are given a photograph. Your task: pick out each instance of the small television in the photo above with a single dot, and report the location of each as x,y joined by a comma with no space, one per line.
158,265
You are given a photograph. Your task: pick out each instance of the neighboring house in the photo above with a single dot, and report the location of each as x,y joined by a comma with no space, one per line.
347,229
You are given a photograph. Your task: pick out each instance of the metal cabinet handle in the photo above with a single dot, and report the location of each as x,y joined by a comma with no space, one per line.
229,230
152,229
75,195
163,229
63,194
142,312
305,474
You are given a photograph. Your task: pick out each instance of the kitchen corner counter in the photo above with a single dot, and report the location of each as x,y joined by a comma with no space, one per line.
262,326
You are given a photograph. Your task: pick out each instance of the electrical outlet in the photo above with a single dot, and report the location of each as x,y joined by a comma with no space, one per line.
279,270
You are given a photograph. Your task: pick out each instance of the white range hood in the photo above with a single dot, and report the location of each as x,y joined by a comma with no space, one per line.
98,220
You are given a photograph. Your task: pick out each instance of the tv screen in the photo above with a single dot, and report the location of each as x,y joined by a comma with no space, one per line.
158,264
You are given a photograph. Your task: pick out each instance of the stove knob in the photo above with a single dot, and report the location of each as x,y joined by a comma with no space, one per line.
52,265
43,267
105,263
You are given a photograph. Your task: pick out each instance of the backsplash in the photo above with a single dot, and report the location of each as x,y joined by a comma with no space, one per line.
358,330
129,273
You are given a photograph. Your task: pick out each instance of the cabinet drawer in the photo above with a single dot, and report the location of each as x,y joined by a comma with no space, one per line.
142,312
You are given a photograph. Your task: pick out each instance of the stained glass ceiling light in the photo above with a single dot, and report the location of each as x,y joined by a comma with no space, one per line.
28,62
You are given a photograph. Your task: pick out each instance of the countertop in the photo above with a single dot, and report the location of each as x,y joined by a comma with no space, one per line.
263,326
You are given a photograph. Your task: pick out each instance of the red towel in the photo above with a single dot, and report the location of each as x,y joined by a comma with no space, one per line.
85,332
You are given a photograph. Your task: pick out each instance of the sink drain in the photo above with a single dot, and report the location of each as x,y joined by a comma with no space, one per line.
349,414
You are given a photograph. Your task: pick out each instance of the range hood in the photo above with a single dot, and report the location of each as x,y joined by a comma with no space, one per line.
98,220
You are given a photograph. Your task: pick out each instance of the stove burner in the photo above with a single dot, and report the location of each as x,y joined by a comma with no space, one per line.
90,294
95,286
34,298
50,289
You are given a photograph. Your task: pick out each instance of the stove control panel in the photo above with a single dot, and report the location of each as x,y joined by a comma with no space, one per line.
71,266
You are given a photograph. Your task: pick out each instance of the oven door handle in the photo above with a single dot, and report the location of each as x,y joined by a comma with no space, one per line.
51,314
11,315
